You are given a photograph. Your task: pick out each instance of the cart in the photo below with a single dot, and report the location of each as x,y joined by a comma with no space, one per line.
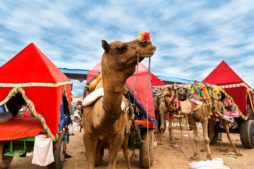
31,79
224,76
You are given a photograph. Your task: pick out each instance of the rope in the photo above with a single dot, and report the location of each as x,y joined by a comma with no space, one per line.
134,96
180,146
180,143
147,104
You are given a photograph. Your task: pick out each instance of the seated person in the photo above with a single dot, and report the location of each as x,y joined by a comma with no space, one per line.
65,121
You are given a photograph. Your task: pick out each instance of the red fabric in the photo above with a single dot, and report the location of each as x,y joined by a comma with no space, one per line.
223,74
239,95
144,123
26,115
142,90
31,65
18,128
47,103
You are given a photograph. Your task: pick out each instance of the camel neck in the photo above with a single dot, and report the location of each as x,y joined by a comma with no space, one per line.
113,91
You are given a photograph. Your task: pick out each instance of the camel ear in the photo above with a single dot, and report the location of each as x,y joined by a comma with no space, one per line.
105,45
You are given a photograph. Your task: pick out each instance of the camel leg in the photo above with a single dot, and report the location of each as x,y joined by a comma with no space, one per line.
126,151
115,145
90,146
211,123
162,118
99,153
170,129
206,138
225,125
195,132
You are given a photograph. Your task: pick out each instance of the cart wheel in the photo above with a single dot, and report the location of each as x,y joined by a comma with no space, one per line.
247,133
146,152
59,154
4,160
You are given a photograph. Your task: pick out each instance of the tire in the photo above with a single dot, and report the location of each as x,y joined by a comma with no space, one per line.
4,160
59,154
146,151
247,133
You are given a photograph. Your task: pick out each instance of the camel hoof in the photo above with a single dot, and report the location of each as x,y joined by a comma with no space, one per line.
209,156
238,154
171,142
194,157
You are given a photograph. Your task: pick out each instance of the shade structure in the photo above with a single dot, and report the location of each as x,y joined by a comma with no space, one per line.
41,84
140,82
223,75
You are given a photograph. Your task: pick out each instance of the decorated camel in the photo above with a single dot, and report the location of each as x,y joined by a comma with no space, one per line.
166,103
204,105
104,118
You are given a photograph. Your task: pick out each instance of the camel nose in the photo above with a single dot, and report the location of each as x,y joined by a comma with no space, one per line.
154,48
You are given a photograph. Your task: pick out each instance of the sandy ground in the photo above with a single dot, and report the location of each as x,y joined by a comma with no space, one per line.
166,157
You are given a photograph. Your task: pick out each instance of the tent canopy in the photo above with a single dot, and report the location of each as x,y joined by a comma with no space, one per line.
42,85
34,66
223,75
141,82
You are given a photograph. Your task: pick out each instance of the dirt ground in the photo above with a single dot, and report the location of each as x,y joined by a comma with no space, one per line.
166,157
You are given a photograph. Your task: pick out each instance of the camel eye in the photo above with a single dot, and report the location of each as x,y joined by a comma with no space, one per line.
122,49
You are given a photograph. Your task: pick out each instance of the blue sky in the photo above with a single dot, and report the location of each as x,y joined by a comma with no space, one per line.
192,37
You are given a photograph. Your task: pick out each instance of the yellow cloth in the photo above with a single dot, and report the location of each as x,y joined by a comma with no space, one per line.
94,83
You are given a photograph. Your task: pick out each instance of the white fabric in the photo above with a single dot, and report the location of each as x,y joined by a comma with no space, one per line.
216,163
123,105
92,97
196,101
43,151
96,94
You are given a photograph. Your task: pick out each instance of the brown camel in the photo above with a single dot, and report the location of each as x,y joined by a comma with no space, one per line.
104,119
202,112
162,103
166,105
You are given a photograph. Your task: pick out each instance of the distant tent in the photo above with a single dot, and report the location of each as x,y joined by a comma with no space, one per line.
140,82
223,75
40,83
141,69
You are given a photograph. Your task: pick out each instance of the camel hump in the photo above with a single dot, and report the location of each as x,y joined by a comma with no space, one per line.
93,96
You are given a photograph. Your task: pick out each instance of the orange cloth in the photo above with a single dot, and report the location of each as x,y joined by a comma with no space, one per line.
18,128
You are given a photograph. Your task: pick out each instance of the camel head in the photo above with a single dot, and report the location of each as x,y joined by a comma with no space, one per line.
168,93
182,92
124,56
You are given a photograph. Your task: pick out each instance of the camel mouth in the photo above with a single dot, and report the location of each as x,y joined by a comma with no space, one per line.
147,55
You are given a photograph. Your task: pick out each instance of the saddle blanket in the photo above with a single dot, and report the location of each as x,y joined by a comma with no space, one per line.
93,96
96,94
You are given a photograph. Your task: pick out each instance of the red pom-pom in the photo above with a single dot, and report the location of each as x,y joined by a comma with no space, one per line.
145,37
